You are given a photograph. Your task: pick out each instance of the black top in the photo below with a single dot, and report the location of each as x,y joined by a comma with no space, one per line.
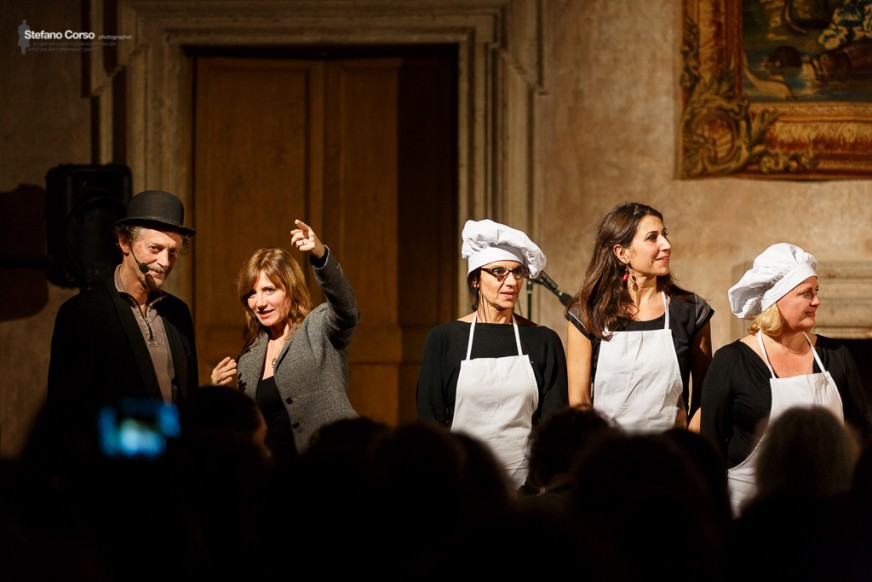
688,314
736,395
445,349
279,435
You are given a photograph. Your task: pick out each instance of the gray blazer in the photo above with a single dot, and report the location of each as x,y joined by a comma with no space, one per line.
312,370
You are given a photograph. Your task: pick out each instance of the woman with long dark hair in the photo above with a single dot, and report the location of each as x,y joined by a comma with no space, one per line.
635,339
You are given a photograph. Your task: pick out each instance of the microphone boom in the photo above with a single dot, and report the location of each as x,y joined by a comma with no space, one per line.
143,268
544,279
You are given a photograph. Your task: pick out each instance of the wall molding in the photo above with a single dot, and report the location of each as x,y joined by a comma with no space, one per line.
846,305
500,70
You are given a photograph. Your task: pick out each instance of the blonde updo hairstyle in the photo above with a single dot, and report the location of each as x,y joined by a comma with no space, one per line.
769,322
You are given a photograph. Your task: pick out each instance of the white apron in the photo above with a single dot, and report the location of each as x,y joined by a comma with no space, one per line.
806,390
638,380
495,402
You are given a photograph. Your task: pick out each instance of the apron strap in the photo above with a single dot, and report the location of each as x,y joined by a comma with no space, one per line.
472,330
766,356
517,336
665,313
666,310
814,351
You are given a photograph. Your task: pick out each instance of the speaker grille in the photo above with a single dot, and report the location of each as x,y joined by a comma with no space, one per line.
82,204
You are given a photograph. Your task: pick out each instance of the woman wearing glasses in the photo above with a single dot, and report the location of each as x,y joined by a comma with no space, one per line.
779,364
634,337
493,373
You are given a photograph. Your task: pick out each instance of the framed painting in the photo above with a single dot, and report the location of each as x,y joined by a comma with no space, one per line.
777,89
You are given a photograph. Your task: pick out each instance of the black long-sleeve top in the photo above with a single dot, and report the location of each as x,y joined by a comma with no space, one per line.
736,395
445,349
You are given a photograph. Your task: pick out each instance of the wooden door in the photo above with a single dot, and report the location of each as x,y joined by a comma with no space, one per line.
361,149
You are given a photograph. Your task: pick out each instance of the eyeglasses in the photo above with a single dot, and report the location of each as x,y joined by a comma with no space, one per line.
501,273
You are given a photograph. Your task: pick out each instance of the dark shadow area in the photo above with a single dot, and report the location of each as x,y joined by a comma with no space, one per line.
82,204
861,349
23,257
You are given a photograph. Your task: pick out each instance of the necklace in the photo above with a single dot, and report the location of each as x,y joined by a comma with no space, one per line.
285,339
277,351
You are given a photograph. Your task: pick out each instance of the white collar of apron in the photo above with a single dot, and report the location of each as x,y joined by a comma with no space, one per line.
472,330
766,356
665,312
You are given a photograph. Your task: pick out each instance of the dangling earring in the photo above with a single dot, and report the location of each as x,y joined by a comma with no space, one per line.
630,276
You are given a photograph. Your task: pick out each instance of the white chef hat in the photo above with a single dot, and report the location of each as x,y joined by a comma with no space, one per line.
776,271
486,241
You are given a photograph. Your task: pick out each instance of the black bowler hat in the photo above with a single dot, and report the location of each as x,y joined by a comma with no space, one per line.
158,209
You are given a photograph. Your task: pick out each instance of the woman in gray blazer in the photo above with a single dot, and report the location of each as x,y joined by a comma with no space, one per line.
294,362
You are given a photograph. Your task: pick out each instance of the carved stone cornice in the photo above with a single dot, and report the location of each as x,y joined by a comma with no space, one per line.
143,85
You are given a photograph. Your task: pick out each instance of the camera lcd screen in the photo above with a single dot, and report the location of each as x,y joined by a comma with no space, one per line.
137,428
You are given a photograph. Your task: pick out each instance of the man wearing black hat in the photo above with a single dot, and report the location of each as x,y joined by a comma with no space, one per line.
128,337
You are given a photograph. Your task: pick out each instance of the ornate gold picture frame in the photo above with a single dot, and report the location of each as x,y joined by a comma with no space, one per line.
741,120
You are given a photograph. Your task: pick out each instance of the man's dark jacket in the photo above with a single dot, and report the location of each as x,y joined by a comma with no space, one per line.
98,353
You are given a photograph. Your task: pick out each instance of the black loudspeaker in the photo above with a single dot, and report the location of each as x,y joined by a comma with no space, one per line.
82,204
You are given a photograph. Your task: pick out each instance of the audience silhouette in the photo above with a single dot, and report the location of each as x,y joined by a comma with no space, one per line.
797,525
640,500
555,442
416,500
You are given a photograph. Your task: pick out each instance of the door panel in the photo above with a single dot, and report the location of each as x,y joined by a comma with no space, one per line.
361,194
427,209
253,176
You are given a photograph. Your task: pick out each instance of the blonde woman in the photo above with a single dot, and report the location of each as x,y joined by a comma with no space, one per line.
781,363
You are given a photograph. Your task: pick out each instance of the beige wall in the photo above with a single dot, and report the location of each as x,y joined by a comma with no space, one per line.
607,132
44,122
